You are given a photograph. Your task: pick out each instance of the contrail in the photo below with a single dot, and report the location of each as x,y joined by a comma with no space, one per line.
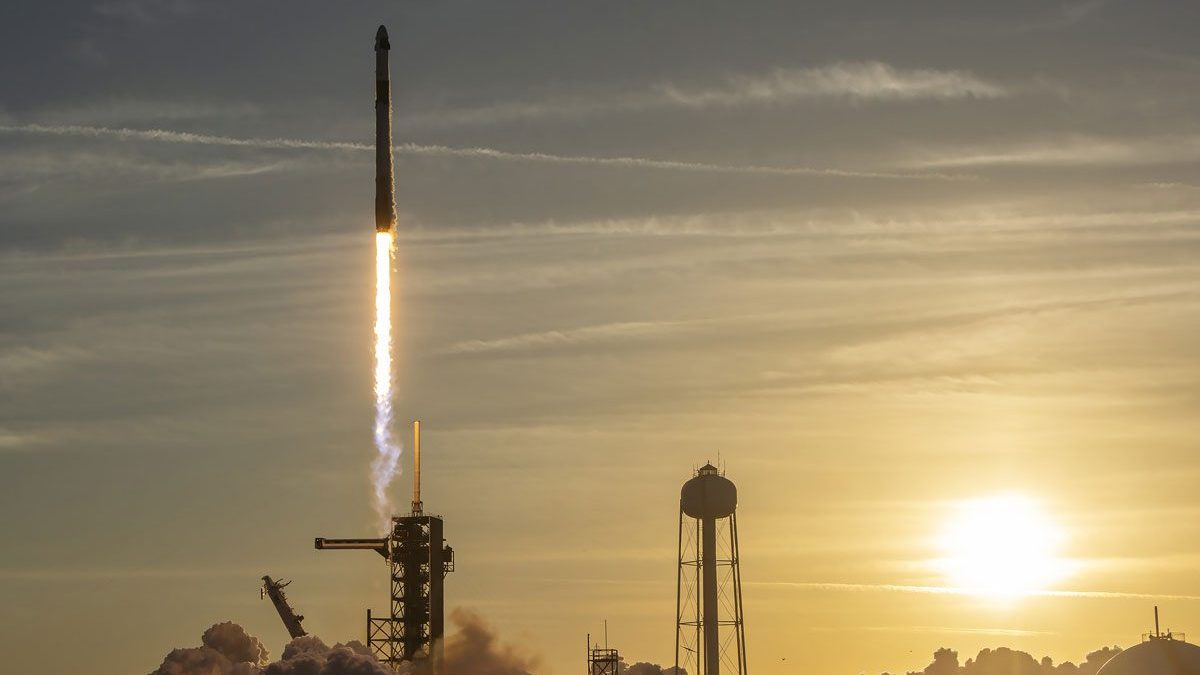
167,136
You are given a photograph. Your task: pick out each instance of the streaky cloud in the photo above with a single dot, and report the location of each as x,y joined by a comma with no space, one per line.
185,137
857,81
845,81
564,337
953,590
949,630
1071,150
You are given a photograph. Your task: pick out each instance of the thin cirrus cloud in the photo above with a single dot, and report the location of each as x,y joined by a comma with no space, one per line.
1073,150
856,82
85,164
183,137
950,590
566,337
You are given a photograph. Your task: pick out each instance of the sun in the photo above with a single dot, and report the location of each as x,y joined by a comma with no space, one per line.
1002,547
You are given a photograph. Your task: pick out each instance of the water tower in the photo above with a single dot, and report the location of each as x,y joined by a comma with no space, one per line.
709,633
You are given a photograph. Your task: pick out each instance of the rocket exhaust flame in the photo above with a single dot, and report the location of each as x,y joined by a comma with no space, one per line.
387,462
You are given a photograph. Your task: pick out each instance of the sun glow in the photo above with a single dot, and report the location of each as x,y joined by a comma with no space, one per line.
1001,547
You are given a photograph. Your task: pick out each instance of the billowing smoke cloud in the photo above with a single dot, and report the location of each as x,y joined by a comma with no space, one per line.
309,656
227,650
235,643
201,661
1005,661
474,649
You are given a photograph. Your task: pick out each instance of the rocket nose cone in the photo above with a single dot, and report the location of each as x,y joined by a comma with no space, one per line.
381,39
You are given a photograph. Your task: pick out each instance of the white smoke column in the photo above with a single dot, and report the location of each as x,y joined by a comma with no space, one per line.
387,462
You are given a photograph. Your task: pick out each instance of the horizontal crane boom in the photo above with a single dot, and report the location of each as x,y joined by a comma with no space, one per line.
380,546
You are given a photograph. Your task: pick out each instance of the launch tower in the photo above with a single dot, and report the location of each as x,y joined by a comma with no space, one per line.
709,633
418,561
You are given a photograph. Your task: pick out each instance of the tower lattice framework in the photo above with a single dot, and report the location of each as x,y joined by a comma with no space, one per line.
710,635
418,561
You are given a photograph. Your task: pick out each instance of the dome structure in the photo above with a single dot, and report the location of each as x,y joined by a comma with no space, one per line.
708,494
1159,655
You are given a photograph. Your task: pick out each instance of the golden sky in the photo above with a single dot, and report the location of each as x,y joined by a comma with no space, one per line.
880,262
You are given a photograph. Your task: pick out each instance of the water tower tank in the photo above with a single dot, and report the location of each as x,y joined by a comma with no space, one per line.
708,495
1156,656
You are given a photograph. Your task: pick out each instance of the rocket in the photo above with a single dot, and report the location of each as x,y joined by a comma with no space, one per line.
385,188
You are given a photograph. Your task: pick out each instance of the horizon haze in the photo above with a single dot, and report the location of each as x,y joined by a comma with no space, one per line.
923,278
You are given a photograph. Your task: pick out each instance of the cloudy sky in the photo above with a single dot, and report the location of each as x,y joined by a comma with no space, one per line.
879,257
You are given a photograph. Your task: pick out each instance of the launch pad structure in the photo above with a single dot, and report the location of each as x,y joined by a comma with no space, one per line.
418,561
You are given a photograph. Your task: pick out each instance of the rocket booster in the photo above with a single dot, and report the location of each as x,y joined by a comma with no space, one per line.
385,188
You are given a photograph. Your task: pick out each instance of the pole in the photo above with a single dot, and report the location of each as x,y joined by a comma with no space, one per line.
712,645
416,500
678,590
737,590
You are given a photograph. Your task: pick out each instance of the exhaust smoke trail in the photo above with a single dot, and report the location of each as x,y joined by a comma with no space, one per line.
387,462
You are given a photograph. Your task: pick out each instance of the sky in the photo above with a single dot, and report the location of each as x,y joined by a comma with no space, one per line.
879,259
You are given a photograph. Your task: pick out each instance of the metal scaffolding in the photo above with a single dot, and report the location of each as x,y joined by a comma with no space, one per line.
602,660
418,561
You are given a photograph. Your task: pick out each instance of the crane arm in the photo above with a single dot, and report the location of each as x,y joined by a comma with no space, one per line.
380,546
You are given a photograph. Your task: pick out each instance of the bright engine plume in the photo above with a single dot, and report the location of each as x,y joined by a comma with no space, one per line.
387,462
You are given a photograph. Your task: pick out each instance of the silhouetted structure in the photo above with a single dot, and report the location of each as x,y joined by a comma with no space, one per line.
709,578
602,660
1159,635
1158,654
418,562
291,620
385,185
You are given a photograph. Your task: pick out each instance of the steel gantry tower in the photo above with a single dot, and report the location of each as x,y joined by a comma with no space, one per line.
418,561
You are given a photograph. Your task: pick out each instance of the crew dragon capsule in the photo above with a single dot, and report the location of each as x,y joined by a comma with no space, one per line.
385,188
